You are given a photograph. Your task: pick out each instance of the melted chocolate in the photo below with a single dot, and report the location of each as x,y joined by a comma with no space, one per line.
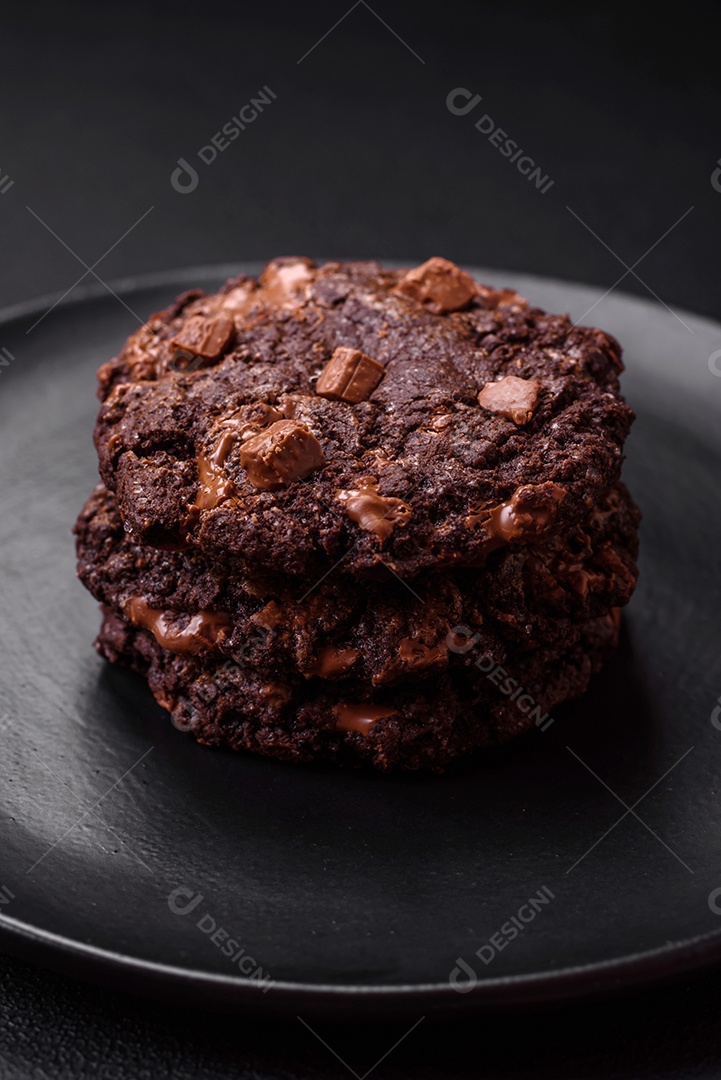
526,516
360,718
200,633
214,485
417,655
333,661
373,512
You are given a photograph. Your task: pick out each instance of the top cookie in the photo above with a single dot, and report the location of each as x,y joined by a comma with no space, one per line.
412,418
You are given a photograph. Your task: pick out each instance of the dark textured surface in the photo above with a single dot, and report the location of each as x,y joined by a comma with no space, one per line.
55,1027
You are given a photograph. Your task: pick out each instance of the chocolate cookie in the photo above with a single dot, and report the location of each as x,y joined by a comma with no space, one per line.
424,725
413,419
382,633
360,515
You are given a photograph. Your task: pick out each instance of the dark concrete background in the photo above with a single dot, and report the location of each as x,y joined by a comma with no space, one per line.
358,155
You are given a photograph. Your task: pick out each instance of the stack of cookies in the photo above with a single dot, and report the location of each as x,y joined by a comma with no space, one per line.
359,514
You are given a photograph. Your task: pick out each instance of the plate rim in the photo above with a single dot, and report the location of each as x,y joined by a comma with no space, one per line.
586,982
188,274
666,964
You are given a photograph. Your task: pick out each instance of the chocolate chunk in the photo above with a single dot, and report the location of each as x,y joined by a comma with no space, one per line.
349,376
415,654
528,513
249,419
579,579
373,512
283,281
284,452
268,617
438,285
200,633
334,661
275,694
413,659
214,485
494,298
238,299
205,336
360,718
511,397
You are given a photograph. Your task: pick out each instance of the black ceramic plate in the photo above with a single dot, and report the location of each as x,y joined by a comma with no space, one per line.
132,855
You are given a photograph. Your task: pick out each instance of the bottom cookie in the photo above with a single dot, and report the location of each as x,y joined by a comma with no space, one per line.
424,725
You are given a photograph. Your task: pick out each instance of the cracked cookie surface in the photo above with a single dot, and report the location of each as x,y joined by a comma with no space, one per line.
238,422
